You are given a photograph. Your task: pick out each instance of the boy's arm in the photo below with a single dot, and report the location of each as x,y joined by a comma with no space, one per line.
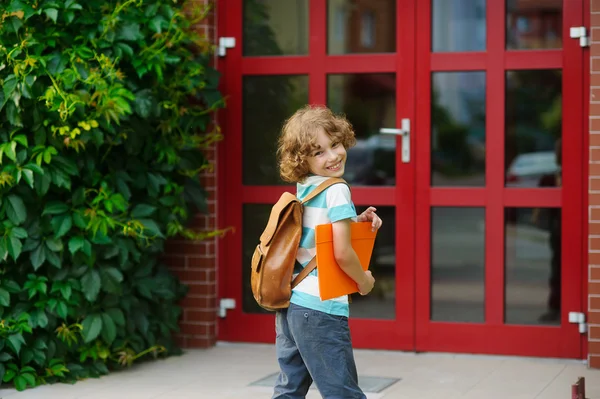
347,259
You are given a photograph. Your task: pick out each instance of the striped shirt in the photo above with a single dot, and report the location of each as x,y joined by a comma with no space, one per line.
332,205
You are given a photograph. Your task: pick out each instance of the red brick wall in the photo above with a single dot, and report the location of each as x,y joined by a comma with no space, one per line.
594,191
195,262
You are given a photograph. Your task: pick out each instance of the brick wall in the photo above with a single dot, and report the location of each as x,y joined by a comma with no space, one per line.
195,262
594,191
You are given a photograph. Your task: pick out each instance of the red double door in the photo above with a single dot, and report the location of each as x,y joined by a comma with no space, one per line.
469,120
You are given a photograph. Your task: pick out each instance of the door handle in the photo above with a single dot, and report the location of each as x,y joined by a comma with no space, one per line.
404,131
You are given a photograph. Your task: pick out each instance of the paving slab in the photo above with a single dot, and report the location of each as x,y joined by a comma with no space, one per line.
243,371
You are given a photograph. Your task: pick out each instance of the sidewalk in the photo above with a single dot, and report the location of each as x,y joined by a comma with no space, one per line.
228,370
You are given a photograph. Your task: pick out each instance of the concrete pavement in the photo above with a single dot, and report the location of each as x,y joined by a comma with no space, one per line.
228,371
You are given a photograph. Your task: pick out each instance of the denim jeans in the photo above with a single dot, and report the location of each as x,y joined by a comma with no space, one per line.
314,346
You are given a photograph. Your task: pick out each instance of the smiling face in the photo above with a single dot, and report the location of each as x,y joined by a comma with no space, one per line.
329,156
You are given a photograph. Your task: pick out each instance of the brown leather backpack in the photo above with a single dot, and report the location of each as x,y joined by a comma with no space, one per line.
275,256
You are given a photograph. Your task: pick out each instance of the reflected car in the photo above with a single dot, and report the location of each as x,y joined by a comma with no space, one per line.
527,169
372,162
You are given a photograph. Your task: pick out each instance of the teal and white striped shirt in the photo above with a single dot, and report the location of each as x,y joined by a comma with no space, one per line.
332,205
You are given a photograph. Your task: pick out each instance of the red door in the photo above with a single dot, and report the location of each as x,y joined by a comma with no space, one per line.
476,183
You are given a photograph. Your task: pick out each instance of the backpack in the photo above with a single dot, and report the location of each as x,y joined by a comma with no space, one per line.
274,258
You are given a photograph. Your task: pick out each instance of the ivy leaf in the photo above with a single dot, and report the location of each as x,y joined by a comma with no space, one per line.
28,177
51,13
13,24
13,114
15,341
54,244
157,22
15,209
62,310
117,316
151,226
143,103
14,247
4,298
129,32
75,244
90,284
55,208
11,286
142,211
92,325
20,383
53,258
9,86
61,225
109,330
39,318
38,257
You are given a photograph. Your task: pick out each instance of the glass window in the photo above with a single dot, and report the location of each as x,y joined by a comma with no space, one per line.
361,26
275,27
458,264
381,302
532,265
458,25
369,103
268,101
533,128
254,220
458,129
533,25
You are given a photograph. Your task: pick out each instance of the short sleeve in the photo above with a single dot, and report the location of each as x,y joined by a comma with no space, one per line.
339,203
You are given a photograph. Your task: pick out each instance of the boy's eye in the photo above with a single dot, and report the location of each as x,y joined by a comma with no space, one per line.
316,154
335,144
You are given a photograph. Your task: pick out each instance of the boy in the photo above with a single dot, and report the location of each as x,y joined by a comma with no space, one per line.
313,337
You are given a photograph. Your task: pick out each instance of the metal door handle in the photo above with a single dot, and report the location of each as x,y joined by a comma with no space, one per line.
404,131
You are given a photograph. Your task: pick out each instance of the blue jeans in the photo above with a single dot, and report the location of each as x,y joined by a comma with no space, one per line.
314,346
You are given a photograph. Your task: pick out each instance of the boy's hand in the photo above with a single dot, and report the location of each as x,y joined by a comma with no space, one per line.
370,216
367,285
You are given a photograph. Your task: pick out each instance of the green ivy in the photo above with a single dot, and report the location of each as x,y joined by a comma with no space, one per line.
105,108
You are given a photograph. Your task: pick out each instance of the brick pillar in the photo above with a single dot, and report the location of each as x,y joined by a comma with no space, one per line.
594,191
196,262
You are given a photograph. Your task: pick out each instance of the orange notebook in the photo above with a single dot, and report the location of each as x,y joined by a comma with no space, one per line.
333,282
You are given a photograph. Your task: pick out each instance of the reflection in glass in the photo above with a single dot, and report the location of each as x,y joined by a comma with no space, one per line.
533,24
267,102
458,25
275,27
369,102
458,264
533,128
532,265
380,303
361,26
254,220
458,129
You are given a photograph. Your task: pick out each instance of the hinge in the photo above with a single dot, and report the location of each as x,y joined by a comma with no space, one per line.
580,32
224,44
224,305
578,318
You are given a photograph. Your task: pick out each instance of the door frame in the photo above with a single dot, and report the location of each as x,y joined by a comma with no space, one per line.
412,329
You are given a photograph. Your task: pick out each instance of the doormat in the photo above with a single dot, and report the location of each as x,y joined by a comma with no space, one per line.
366,383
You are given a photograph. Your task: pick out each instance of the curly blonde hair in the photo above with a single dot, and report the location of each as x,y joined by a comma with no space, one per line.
298,139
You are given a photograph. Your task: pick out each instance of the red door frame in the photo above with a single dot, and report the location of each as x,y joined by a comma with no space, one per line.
412,328
381,334
494,336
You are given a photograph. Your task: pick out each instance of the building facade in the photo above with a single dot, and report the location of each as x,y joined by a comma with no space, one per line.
489,186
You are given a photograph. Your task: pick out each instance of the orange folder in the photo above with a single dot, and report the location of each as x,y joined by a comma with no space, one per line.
333,282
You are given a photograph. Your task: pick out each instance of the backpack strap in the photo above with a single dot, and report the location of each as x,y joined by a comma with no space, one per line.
309,268
313,262
322,187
